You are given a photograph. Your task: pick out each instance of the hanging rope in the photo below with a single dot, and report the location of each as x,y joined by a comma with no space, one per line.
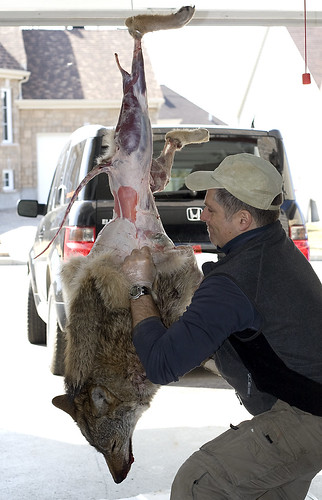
306,77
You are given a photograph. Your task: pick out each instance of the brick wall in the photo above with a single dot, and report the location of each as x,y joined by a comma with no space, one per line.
27,123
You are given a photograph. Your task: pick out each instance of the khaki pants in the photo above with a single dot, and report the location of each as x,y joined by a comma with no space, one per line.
273,456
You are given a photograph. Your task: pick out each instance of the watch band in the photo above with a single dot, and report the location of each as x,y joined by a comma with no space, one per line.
137,291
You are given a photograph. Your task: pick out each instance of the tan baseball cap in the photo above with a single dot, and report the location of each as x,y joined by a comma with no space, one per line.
249,178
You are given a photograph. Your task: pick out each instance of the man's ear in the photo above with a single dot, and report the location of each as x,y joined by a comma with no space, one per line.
246,221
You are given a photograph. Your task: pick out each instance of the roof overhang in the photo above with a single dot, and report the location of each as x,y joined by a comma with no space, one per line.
113,13
14,74
76,103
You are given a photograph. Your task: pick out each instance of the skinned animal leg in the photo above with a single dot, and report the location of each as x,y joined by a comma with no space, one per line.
175,140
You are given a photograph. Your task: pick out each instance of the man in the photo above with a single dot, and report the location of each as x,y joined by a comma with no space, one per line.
258,313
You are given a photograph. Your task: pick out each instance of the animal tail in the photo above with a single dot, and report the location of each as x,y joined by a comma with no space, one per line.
145,23
93,173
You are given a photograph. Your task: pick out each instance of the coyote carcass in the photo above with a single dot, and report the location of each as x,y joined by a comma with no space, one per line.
107,389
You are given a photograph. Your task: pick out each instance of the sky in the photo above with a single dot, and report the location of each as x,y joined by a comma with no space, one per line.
243,73
204,64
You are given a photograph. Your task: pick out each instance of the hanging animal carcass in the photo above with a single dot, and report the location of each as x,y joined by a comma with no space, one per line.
106,386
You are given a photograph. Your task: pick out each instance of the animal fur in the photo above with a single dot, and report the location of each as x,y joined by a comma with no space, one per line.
188,136
139,25
107,389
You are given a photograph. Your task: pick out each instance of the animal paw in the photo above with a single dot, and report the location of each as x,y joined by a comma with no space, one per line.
187,136
145,23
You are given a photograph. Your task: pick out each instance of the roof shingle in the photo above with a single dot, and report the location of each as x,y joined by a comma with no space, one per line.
79,64
176,107
12,53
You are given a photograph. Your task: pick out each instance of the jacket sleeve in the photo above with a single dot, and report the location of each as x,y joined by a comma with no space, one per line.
218,308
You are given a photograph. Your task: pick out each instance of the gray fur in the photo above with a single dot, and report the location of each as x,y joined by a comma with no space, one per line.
107,389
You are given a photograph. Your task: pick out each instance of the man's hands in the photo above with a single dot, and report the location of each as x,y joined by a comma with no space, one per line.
139,267
140,270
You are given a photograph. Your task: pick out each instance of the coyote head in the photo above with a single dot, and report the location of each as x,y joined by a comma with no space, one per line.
107,423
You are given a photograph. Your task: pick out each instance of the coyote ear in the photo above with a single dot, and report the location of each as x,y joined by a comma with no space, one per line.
64,403
100,400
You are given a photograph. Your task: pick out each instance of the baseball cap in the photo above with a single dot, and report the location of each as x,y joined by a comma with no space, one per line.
249,178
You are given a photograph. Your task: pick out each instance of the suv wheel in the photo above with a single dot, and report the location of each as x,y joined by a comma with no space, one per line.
55,338
36,327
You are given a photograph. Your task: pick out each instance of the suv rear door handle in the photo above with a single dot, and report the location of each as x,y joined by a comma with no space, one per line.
61,191
41,232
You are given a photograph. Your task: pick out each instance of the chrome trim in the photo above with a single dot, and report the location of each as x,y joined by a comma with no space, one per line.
193,213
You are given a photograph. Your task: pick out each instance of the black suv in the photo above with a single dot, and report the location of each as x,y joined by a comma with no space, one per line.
179,209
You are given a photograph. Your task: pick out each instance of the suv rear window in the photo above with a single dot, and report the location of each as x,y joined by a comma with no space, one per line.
207,156
193,157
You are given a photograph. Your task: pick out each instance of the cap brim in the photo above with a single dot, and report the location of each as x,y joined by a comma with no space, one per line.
201,181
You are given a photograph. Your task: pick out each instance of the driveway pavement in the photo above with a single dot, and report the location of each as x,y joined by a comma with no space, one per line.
16,236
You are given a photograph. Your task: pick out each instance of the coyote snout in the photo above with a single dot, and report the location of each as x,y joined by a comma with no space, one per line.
106,385
107,423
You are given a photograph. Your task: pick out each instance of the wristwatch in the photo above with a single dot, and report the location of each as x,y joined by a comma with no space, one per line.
137,291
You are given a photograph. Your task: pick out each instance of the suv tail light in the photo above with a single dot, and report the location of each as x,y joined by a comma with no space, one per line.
78,240
299,236
197,248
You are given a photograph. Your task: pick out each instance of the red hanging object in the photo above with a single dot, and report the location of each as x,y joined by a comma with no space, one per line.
306,77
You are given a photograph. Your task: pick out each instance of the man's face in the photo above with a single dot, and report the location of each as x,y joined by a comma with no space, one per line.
220,229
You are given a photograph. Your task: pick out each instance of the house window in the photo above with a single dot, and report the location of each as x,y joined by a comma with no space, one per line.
6,115
7,177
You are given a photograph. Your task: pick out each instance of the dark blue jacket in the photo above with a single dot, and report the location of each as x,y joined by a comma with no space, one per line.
258,312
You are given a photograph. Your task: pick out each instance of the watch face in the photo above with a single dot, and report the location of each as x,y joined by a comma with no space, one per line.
137,291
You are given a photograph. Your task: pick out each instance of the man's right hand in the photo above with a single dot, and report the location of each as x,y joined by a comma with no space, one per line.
139,267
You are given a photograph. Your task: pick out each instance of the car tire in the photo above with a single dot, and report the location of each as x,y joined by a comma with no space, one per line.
36,327
55,338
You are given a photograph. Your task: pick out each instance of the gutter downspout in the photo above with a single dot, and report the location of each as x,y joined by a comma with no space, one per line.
23,80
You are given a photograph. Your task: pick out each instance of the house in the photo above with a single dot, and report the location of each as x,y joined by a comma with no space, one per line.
314,49
54,81
176,109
